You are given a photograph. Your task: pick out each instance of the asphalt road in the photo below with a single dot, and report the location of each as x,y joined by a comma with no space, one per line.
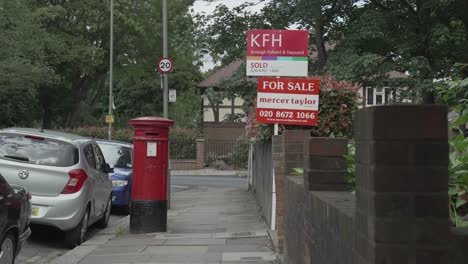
46,244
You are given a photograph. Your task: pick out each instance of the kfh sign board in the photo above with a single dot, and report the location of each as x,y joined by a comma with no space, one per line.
277,53
288,101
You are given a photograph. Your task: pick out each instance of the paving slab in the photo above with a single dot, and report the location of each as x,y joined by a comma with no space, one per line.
194,242
178,251
182,236
248,256
115,259
204,226
135,242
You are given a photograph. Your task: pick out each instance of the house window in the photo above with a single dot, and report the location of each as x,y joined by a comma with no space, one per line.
377,96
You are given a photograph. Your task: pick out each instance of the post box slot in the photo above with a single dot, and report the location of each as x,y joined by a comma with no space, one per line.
154,134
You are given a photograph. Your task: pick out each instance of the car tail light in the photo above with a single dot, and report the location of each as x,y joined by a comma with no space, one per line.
34,137
76,181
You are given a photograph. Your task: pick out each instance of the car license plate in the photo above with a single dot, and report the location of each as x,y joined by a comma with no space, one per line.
35,211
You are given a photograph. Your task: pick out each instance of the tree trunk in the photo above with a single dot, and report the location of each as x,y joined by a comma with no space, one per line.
464,18
46,117
320,44
80,89
423,49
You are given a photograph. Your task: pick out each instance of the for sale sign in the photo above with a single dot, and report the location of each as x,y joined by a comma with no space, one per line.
277,53
288,101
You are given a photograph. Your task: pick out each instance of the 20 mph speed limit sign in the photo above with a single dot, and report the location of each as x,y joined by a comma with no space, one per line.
165,65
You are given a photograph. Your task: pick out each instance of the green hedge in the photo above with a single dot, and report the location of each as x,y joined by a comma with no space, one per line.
126,134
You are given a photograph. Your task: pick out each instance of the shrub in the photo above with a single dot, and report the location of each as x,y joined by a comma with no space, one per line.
123,134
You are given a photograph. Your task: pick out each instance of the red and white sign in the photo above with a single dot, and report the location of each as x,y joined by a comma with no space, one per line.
165,65
288,101
277,53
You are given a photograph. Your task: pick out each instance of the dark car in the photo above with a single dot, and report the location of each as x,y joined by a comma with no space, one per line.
15,212
119,156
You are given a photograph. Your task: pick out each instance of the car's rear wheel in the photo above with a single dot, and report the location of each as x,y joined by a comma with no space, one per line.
104,221
7,255
77,235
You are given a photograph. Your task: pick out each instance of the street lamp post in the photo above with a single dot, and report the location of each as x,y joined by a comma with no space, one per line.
111,65
166,92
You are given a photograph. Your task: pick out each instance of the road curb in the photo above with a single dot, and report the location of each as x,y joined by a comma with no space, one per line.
80,252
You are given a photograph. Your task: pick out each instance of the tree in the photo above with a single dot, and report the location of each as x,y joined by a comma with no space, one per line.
223,34
55,53
324,19
23,69
421,38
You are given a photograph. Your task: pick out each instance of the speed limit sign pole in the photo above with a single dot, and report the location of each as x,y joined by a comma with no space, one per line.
165,55
165,66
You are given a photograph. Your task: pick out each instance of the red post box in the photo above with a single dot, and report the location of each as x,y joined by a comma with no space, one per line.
150,168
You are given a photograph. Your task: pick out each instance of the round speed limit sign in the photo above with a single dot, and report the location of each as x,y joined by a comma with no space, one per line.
165,65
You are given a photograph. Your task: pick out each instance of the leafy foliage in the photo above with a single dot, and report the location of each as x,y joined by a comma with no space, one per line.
351,165
454,94
458,179
23,66
421,38
55,60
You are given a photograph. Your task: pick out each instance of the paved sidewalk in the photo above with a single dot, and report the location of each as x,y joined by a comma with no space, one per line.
210,172
205,226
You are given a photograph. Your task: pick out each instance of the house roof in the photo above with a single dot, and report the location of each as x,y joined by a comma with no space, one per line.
222,74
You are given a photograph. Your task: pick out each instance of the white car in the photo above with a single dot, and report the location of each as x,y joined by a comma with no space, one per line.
66,175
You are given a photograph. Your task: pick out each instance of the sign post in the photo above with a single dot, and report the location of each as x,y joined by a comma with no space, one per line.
282,53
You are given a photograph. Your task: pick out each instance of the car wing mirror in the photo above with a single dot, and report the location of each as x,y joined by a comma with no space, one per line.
107,168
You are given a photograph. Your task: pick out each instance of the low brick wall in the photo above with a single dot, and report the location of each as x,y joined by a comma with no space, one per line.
184,165
191,164
459,245
399,214
320,225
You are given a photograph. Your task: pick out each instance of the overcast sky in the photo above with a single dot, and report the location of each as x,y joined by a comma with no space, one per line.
208,7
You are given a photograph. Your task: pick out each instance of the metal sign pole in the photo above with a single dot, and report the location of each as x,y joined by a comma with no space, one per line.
165,55
111,65
166,93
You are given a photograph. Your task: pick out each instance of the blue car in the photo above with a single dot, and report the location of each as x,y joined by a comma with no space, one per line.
120,157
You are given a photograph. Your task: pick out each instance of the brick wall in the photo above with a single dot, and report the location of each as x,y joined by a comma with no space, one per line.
402,184
400,211
288,153
191,164
184,164
319,220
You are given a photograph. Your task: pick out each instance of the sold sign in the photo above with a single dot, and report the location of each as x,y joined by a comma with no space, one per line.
277,52
165,65
288,101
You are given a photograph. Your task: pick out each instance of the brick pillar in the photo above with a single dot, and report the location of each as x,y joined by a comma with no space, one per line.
325,164
291,144
402,213
200,153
